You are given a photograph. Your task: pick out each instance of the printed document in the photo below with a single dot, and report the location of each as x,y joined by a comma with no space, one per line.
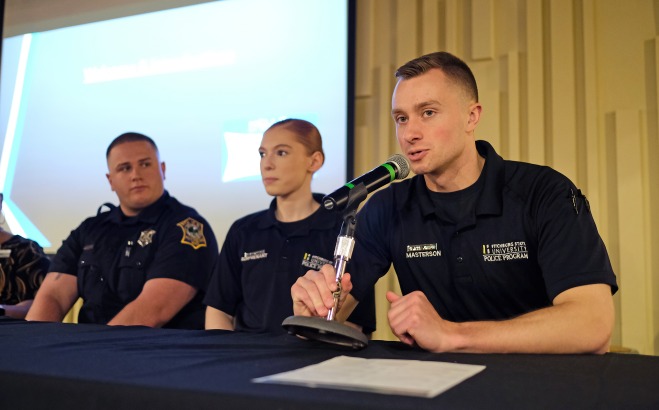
387,376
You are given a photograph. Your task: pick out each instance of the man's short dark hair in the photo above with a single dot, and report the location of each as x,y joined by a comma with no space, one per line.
129,137
454,68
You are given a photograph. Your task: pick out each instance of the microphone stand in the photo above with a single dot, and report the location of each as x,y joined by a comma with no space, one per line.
327,329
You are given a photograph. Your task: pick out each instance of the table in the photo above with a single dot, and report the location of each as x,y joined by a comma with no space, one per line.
76,366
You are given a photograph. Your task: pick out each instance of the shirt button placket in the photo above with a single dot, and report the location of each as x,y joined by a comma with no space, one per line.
456,238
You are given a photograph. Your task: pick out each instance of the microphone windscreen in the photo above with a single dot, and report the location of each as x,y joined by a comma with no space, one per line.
401,163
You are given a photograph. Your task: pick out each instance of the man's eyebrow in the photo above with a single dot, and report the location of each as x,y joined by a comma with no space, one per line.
396,111
121,164
425,104
417,107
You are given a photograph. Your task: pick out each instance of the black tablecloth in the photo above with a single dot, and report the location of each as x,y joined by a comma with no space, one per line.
68,366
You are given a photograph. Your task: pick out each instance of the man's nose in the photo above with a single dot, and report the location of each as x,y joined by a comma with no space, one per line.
411,131
136,173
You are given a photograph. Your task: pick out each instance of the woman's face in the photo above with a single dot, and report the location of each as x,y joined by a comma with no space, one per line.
286,166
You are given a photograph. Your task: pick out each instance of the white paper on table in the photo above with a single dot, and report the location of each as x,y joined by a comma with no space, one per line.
387,376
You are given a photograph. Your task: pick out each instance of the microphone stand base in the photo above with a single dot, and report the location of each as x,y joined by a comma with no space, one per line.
328,331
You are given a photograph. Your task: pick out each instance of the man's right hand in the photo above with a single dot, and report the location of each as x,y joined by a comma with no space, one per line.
313,293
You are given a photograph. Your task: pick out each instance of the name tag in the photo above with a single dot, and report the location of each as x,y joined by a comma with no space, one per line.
5,253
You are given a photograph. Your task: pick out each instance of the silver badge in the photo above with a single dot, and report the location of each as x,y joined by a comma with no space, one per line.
146,237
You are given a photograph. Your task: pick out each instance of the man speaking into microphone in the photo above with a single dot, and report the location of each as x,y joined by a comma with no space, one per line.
492,256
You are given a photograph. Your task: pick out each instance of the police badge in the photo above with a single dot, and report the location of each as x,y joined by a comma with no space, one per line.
146,237
193,233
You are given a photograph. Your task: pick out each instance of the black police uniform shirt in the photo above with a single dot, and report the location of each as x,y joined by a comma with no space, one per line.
506,246
261,259
113,256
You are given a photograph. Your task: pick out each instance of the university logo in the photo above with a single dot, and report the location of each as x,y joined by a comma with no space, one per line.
508,251
314,262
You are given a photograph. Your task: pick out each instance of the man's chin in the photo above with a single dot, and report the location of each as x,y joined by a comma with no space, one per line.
418,169
138,204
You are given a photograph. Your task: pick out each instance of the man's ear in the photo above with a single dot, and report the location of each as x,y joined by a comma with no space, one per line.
109,181
162,169
474,116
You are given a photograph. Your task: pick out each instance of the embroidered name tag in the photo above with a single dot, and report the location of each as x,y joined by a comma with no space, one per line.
251,256
427,250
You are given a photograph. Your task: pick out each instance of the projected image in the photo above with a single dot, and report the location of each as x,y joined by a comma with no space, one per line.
203,81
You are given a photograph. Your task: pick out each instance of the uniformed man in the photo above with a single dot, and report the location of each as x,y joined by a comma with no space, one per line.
491,255
145,262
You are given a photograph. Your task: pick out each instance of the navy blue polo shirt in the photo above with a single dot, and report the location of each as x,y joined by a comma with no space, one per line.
529,237
112,257
262,258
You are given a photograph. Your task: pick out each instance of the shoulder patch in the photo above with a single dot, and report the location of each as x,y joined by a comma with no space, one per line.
193,233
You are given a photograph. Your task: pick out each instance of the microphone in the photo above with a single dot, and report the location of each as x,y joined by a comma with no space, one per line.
396,167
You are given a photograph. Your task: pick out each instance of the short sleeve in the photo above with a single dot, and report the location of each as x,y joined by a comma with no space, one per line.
187,251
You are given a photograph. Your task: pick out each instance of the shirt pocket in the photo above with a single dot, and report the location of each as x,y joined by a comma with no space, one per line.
131,276
91,282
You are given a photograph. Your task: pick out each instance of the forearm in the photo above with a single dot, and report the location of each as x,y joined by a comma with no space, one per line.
217,319
138,314
47,309
54,298
160,300
542,331
572,326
